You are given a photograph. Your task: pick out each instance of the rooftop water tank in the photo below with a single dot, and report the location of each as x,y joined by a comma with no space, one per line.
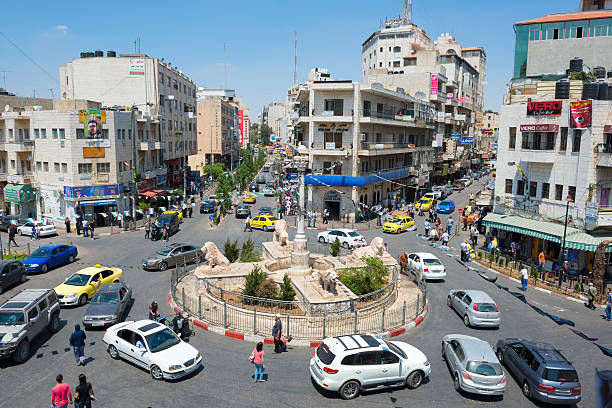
98,53
590,90
111,53
599,72
562,89
575,65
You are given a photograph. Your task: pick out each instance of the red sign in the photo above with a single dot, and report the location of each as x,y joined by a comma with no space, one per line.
241,125
581,114
544,108
434,84
540,128
608,129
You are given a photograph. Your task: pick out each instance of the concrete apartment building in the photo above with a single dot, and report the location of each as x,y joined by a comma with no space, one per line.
48,167
544,156
366,144
277,117
156,88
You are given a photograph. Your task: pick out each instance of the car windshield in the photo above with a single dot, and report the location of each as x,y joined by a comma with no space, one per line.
395,349
164,251
271,219
353,234
431,262
11,318
398,220
486,307
445,203
161,340
552,374
78,279
40,253
325,354
106,297
484,368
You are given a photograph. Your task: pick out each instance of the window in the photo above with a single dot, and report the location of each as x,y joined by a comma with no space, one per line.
38,166
396,64
43,133
576,141
509,183
326,167
349,360
550,141
512,138
545,190
380,50
571,191
397,49
46,166
80,133
64,167
387,357
42,305
29,166
103,167
367,358
558,192
56,167
534,32
32,313
533,189
528,357
36,133
410,62
54,133
84,168
62,133
525,140
12,164
520,187
334,105
563,144
11,133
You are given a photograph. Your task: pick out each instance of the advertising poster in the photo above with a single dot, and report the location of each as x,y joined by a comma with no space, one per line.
439,139
137,66
434,84
467,140
580,114
92,120
241,125
449,96
464,99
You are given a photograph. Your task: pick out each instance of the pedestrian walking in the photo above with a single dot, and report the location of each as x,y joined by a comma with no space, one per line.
541,262
427,226
464,249
257,358
83,393
247,224
33,232
153,310
165,233
85,228
445,239
475,235
314,219
609,305
147,228
190,212
309,217
379,219
277,331
67,222
60,394
91,229
12,230
591,294
449,225
79,226
77,341
325,216
524,278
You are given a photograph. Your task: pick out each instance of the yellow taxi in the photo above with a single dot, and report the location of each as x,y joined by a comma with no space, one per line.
178,213
83,284
264,222
424,204
249,198
399,223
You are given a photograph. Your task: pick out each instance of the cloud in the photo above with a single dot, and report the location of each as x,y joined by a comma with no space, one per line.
61,27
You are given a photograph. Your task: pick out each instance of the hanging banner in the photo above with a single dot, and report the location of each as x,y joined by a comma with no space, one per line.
434,84
581,114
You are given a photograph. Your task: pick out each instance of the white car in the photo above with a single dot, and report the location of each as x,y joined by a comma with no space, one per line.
439,192
348,238
350,364
44,229
428,265
152,346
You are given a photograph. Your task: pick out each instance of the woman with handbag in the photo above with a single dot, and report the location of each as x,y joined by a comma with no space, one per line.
257,358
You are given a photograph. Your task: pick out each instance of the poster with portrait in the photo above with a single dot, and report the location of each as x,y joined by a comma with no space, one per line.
92,120
581,114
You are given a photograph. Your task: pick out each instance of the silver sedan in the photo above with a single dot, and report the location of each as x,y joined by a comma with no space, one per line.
173,255
475,307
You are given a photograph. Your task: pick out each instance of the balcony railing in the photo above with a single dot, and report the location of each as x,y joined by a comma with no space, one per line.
385,145
605,208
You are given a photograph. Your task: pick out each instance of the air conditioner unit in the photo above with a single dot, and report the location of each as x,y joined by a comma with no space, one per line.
499,199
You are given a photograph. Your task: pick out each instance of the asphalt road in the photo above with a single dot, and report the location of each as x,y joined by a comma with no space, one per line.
225,379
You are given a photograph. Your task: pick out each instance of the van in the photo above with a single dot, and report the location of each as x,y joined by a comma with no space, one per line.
170,220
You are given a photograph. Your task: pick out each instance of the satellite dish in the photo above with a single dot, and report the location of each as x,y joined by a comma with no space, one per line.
6,108
420,95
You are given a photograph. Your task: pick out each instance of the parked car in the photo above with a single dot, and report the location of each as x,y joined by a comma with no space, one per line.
269,192
348,238
446,207
399,223
266,169
434,195
49,257
264,222
458,186
243,211
424,203
466,181
440,192
23,318
82,285
163,354
475,307
7,220
254,187
353,363
108,306
473,365
265,210
11,273
260,180
427,265
170,220
542,372
208,206
172,255
45,229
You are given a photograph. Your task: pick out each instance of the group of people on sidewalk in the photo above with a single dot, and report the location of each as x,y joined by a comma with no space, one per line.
82,225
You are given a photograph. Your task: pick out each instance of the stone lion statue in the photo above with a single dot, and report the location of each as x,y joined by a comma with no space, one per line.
214,256
327,279
280,233
376,248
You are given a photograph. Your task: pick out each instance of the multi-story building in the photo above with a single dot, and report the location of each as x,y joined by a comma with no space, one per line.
156,88
554,160
487,126
277,118
49,168
586,5
366,144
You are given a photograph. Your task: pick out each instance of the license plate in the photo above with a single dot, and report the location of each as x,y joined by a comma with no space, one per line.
97,324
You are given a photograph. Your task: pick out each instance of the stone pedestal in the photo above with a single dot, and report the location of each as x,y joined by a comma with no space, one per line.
300,256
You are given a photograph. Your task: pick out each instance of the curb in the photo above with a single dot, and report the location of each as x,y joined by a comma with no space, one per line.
298,343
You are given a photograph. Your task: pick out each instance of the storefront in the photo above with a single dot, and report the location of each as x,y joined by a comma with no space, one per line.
538,137
94,203
21,198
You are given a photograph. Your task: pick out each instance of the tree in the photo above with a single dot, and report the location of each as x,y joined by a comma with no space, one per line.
252,281
267,289
231,250
286,291
334,248
247,253
260,133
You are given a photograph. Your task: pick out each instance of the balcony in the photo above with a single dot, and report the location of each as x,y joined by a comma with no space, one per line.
604,216
20,146
376,149
604,155
328,149
146,146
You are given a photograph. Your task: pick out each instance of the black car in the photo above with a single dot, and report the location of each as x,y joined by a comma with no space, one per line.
5,221
208,206
254,187
170,220
11,272
265,210
108,306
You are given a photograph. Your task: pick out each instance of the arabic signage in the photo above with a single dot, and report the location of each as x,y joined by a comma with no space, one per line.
91,191
544,108
487,132
90,152
591,212
464,99
449,96
441,116
580,114
455,136
434,84
467,140
539,128
137,66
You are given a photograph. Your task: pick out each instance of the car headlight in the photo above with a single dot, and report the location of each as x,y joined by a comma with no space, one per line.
72,295
32,265
110,317
175,367
426,364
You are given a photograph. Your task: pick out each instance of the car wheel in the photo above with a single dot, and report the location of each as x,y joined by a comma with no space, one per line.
345,245
456,382
163,266
265,228
54,326
156,373
449,302
71,259
82,299
112,351
349,390
526,389
321,240
500,355
414,380
44,268
23,351
24,278
466,321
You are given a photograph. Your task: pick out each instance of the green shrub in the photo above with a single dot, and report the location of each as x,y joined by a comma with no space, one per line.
252,281
577,288
231,250
334,248
268,289
508,260
365,279
247,252
501,262
286,291
490,258
479,255
217,219
143,207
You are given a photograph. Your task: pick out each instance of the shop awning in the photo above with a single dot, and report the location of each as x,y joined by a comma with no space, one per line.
148,194
18,193
586,242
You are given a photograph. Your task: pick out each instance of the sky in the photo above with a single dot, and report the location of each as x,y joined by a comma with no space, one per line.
259,38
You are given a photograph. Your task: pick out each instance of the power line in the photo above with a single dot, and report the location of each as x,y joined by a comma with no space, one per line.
54,79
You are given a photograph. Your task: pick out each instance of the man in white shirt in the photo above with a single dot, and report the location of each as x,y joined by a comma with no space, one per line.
445,238
464,249
524,278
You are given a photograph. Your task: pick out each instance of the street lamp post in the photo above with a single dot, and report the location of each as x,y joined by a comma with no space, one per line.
568,200
300,254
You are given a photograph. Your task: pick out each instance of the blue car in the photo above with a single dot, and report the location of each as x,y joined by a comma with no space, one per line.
446,207
50,256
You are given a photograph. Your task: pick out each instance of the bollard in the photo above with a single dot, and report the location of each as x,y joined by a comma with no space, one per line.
383,321
404,313
416,313
183,293
287,335
323,326
28,248
355,323
199,306
254,321
224,314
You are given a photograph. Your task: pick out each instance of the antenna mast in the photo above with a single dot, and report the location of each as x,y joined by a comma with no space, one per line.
225,64
407,12
295,74
4,77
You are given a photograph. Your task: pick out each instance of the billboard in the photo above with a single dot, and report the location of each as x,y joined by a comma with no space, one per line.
434,84
544,108
581,114
241,125
91,191
92,120
137,66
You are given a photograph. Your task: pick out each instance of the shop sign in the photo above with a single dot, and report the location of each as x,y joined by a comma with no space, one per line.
544,108
434,84
91,191
540,128
455,136
441,116
96,202
460,117
487,132
449,96
448,156
580,114
591,212
608,129
146,184
467,140
91,152
464,99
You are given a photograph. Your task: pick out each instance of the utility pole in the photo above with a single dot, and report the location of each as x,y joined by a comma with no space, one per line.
52,94
184,168
4,77
133,120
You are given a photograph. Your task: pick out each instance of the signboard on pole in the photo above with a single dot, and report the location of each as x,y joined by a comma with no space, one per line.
467,140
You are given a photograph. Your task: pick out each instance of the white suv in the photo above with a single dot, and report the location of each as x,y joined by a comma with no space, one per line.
349,364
